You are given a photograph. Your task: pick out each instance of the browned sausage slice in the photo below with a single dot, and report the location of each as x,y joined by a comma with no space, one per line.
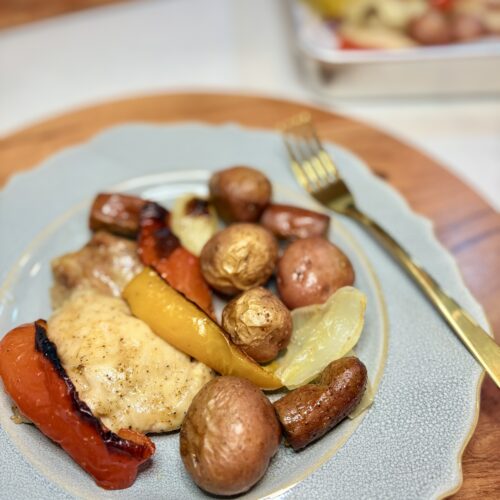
116,213
287,222
309,412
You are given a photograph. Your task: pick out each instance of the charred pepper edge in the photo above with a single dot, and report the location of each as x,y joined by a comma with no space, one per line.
153,214
197,206
113,441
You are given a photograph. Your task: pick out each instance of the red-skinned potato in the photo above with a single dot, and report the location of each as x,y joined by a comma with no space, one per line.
467,27
240,194
289,222
309,412
310,270
229,435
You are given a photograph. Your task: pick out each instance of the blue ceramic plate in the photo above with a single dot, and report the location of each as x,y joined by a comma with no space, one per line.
408,445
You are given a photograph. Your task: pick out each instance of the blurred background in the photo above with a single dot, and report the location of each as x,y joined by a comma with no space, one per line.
427,71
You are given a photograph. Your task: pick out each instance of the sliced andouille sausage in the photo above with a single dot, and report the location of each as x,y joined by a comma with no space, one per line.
289,222
40,387
116,213
309,412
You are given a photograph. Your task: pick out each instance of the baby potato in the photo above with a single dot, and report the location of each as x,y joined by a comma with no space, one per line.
229,435
431,28
310,270
240,194
466,27
239,257
258,323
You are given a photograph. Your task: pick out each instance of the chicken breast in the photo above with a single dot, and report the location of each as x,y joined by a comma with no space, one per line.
106,263
128,376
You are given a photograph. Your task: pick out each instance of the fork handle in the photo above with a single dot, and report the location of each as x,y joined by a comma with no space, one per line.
479,343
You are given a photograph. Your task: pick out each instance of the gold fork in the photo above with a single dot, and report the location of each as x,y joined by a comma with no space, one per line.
317,173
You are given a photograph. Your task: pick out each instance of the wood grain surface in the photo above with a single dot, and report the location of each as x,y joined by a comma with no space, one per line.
463,221
15,12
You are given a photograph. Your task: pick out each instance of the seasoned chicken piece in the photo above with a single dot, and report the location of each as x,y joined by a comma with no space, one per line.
106,263
128,376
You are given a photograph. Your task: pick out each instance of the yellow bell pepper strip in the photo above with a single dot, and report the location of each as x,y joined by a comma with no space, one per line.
187,327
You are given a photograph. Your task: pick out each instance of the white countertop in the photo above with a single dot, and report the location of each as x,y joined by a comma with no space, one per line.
64,63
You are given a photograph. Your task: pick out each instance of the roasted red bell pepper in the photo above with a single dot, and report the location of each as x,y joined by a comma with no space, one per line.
445,5
40,387
160,249
346,44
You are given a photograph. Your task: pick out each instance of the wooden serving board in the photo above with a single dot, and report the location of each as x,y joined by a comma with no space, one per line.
463,221
15,12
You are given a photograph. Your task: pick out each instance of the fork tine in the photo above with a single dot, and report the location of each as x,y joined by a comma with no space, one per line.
325,158
304,157
296,166
314,155
310,162
304,160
